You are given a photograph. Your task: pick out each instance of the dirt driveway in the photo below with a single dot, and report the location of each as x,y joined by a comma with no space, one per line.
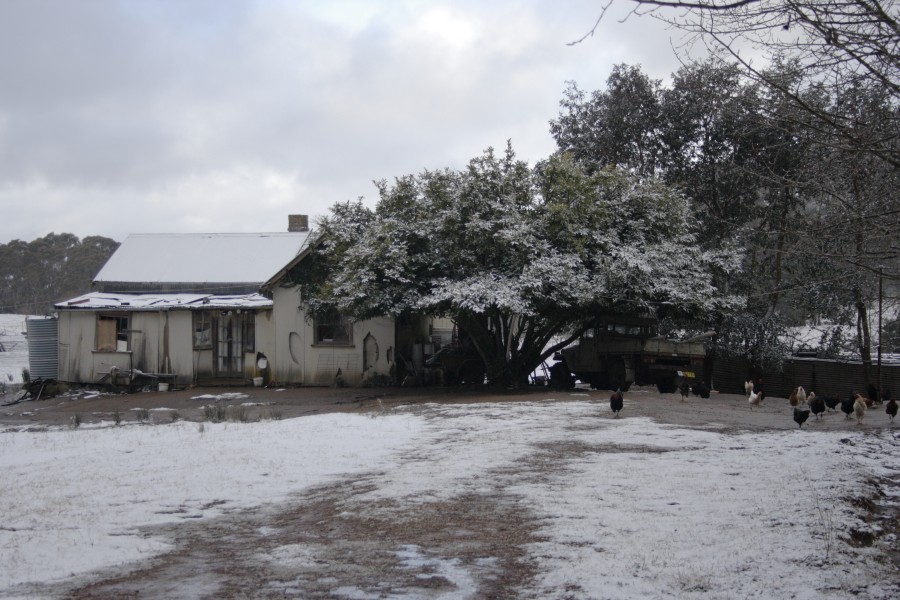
234,556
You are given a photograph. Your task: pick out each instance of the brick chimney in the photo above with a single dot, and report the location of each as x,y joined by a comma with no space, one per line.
297,223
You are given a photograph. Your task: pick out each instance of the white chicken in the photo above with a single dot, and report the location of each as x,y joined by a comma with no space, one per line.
801,396
859,408
754,399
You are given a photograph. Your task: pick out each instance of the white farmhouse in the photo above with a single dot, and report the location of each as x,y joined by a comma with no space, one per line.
188,309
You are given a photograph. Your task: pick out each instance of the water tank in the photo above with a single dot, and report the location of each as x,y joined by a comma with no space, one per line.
43,353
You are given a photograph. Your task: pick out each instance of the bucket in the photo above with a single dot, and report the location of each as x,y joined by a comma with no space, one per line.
163,387
257,381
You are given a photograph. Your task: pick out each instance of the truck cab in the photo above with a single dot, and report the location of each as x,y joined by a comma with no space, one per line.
619,351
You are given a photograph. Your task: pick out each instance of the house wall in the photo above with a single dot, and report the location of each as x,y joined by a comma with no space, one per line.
76,343
265,343
177,326
298,360
161,342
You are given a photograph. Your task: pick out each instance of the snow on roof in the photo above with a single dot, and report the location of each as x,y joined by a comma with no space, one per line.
140,302
201,257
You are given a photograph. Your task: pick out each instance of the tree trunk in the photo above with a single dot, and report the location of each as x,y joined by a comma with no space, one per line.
863,336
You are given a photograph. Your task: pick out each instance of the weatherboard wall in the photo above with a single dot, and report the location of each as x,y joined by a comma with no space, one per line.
299,360
159,342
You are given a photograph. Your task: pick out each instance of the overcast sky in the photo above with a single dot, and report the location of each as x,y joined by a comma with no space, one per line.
121,117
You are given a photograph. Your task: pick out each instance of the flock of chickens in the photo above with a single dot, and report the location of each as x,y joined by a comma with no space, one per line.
804,404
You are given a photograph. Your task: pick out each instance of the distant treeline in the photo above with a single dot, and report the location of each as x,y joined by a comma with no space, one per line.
34,275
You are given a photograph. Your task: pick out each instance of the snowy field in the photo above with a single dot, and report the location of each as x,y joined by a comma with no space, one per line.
624,508
14,351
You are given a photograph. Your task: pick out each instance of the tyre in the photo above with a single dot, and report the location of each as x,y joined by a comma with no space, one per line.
471,372
666,386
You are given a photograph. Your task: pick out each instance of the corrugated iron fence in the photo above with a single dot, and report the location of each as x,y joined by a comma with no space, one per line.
822,376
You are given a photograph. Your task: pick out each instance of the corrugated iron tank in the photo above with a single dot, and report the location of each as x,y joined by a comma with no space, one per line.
43,341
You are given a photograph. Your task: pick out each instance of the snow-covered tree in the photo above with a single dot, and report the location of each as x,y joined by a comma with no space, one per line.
521,259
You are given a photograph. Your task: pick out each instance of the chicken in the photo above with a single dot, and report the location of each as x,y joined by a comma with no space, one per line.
816,404
748,386
832,401
801,396
616,401
859,408
793,398
754,399
685,389
871,395
891,408
701,389
800,416
847,406
758,388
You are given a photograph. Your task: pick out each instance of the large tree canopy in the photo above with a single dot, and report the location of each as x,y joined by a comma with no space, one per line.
34,275
522,259
838,45
815,214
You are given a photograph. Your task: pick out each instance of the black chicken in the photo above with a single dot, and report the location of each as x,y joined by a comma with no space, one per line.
817,405
891,408
616,401
847,406
832,401
800,416
685,389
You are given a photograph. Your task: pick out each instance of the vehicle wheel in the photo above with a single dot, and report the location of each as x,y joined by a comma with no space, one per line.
666,386
471,373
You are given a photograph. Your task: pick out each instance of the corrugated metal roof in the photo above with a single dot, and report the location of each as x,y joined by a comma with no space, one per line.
143,302
201,257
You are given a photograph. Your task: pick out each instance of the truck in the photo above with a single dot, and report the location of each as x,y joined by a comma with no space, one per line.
619,351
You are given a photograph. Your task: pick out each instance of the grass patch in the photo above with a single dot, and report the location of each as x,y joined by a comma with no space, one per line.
215,413
238,413
273,414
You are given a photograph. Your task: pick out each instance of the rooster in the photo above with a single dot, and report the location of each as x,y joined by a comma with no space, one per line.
793,398
616,401
801,396
832,401
859,408
891,409
816,404
800,416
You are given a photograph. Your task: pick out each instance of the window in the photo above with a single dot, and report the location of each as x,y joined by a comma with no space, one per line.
333,328
248,330
202,329
112,333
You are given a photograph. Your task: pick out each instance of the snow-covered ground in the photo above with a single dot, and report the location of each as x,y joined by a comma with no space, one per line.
626,508
14,351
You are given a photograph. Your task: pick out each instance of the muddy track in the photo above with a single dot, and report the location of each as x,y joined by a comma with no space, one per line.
334,540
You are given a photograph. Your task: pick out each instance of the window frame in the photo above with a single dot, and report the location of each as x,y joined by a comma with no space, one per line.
121,332
334,323
204,317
